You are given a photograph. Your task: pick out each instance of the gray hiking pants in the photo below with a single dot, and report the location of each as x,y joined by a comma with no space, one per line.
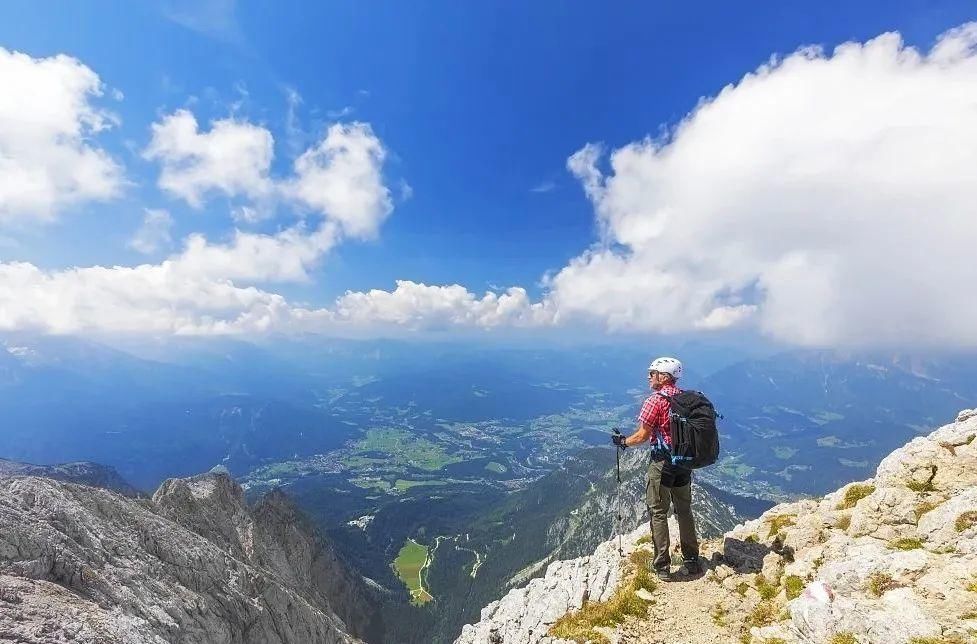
680,498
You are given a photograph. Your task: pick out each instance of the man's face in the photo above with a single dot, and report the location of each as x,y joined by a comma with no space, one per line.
657,379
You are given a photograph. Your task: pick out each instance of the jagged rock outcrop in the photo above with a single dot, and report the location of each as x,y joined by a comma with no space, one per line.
891,560
526,614
83,472
192,565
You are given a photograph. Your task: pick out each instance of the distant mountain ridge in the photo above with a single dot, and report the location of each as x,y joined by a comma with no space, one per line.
81,472
192,565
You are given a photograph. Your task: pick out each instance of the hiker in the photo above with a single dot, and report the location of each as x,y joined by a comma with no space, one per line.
667,484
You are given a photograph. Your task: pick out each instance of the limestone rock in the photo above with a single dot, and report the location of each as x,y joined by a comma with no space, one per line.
192,566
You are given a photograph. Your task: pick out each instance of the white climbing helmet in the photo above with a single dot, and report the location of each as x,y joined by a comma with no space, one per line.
670,366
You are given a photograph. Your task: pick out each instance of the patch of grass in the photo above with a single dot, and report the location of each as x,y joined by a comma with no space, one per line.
842,638
843,522
402,485
924,507
763,614
408,566
971,615
719,614
775,640
946,639
579,626
972,586
793,586
764,587
920,486
854,494
906,543
643,539
742,587
966,521
817,563
780,522
879,582
752,538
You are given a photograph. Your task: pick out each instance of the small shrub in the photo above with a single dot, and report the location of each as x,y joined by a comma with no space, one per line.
763,614
966,521
742,587
643,540
793,586
920,486
843,638
843,522
879,583
972,586
971,615
764,587
907,543
775,640
780,522
817,563
923,508
854,494
752,538
946,639
719,614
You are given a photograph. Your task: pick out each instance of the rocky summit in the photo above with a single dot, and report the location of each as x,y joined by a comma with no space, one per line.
192,565
889,560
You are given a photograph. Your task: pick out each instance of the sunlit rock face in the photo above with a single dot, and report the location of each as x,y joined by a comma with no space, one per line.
192,565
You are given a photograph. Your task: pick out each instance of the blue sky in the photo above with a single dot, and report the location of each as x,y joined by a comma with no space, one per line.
477,105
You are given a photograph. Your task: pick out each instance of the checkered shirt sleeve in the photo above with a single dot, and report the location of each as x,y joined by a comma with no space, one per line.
655,413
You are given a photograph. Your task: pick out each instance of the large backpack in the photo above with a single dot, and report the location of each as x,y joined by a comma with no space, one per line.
695,439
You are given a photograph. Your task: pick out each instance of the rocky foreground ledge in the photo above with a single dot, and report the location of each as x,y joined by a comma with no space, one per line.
192,565
890,560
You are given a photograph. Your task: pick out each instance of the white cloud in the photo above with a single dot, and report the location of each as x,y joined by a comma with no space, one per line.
249,257
48,161
545,186
197,291
342,113
233,158
154,232
340,177
417,306
832,198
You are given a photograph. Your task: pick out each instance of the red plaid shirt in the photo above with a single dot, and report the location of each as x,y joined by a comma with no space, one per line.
655,412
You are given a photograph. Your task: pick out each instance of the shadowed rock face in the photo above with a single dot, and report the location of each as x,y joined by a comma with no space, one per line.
82,472
192,565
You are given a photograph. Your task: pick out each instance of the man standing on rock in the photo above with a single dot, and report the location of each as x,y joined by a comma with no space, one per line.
667,484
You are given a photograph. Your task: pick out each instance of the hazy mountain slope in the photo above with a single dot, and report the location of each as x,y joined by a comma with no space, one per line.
192,565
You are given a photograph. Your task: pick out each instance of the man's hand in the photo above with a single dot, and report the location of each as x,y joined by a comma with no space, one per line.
619,440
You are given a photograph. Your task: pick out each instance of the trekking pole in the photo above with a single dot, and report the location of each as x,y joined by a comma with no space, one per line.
617,496
617,454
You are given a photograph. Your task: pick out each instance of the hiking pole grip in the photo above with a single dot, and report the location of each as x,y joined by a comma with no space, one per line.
617,455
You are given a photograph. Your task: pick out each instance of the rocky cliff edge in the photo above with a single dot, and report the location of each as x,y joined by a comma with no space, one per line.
890,560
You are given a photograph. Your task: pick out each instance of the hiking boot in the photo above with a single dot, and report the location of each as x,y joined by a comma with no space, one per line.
664,574
691,567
